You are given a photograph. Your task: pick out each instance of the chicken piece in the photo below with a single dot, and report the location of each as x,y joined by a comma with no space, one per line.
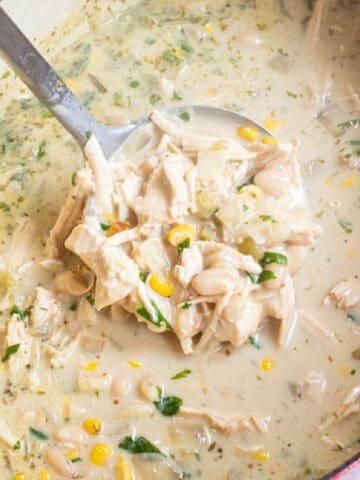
101,174
349,407
175,168
219,255
344,294
46,311
74,283
6,436
188,323
316,328
191,265
70,213
18,334
116,273
225,423
281,306
314,385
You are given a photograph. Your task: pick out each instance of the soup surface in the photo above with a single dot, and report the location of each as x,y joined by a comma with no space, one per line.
78,385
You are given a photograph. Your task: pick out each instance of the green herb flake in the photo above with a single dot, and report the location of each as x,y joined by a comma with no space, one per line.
274,257
186,305
254,342
320,214
134,83
154,99
91,300
266,275
171,56
73,178
254,278
76,460
73,307
353,371
3,149
181,246
139,445
346,226
354,122
41,150
11,350
183,374
176,96
105,226
5,75
167,405
267,218
354,142
185,116
17,445
88,134
159,319
15,310
351,316
149,40
46,114
38,434
291,94
143,276
4,207
186,47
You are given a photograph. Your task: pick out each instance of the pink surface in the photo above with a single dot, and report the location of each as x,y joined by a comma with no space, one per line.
352,472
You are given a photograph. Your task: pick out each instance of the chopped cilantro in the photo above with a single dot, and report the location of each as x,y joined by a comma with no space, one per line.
274,257
46,114
143,276
154,99
88,134
351,316
320,214
167,405
254,278
139,445
171,57
91,300
73,178
75,460
6,74
3,149
266,275
176,96
184,373
38,434
4,207
134,84
181,246
187,47
73,307
17,445
105,226
11,350
15,310
149,40
159,320
186,305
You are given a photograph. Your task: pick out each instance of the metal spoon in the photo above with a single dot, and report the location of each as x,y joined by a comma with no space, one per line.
52,92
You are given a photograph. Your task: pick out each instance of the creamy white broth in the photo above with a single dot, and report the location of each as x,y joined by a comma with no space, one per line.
228,382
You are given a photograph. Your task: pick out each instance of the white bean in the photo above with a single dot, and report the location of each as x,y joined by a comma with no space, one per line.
148,388
120,387
70,435
272,181
296,256
57,460
214,281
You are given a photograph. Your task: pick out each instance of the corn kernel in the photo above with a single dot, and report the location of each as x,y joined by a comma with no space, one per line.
261,455
45,475
212,92
270,141
72,454
209,28
253,190
99,454
134,364
93,426
111,217
20,476
218,146
92,366
249,133
349,182
66,412
72,84
163,288
116,228
180,233
273,124
123,469
343,369
267,365
351,253
328,182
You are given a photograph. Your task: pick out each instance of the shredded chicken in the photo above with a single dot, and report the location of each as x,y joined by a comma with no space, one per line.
189,182
344,294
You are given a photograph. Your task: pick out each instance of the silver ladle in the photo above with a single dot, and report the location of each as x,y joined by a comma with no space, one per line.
52,92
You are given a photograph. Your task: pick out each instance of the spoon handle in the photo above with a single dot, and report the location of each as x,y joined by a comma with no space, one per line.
43,81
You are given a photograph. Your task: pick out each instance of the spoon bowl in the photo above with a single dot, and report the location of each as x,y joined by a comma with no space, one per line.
52,92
